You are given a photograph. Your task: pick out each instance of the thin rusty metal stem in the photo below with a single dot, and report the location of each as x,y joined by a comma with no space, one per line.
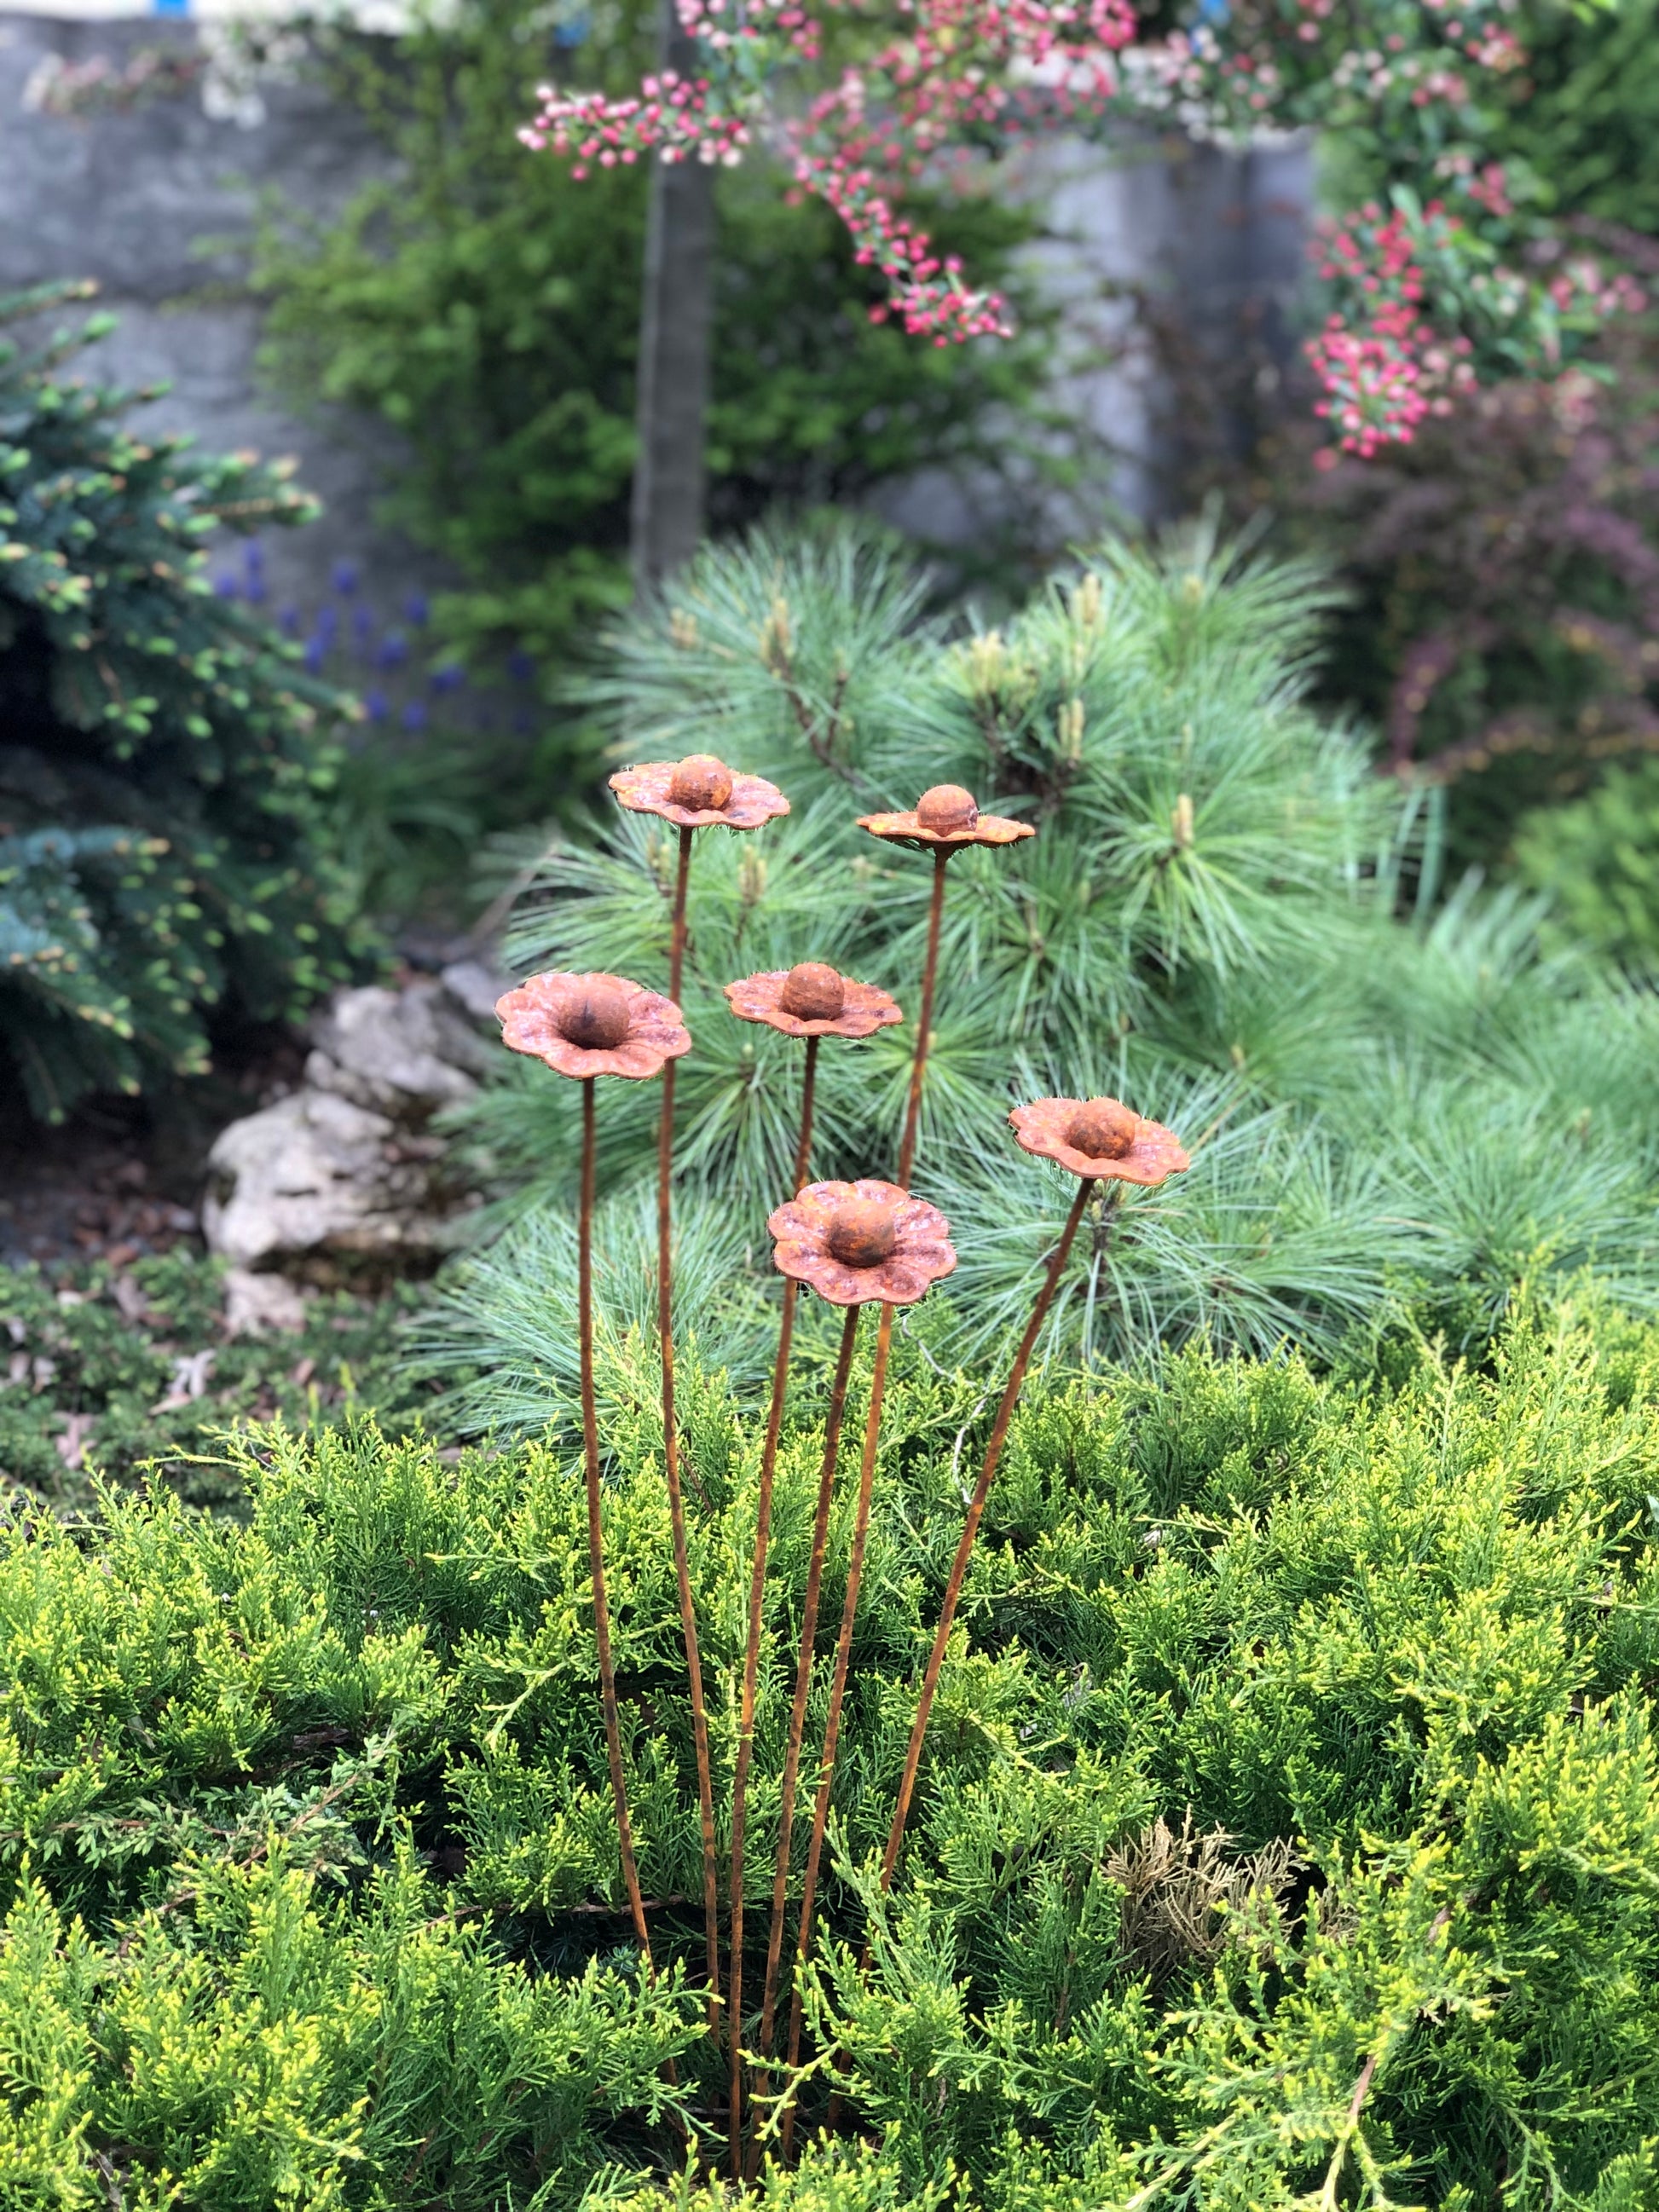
671,1457
595,1536
751,1655
837,1691
970,1530
808,1627
924,1020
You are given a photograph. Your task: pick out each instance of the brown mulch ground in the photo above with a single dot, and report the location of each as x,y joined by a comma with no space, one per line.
121,1178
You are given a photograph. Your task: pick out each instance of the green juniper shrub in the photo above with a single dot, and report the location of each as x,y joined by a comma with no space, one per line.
1290,1819
1596,859
1397,1113
486,305
114,1374
164,762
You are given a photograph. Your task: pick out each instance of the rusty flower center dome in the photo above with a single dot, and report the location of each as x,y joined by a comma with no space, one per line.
946,807
701,781
814,991
1103,1129
595,1016
862,1232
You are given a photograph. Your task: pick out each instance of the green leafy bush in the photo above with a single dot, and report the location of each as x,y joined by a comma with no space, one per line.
1584,113
1597,861
1291,1819
162,763
1388,1117
486,306
1502,570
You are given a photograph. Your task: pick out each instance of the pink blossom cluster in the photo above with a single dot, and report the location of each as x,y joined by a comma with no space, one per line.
1425,302
925,289
1586,285
720,25
959,69
1385,367
672,117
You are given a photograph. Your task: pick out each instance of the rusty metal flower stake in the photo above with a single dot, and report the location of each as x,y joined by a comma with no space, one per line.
587,1026
857,1244
696,794
1098,1139
943,821
810,1000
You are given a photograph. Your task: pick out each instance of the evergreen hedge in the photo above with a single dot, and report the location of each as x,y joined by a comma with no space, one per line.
1289,1834
162,759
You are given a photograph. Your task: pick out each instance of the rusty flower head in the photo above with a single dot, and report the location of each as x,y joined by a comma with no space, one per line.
946,816
863,1243
1099,1137
698,792
586,1025
811,1000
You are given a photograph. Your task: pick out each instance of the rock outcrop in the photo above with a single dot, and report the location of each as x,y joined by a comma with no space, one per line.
343,1179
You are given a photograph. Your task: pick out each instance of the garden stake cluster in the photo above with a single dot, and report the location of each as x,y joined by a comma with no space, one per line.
858,1243
694,794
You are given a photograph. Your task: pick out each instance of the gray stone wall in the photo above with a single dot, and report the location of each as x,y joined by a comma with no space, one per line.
157,206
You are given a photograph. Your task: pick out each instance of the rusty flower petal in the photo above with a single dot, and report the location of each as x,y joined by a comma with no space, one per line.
529,1016
922,1252
647,790
907,829
1044,1127
864,1010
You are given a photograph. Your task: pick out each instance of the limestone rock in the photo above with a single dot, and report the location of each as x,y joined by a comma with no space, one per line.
256,1303
315,1176
341,1179
401,1053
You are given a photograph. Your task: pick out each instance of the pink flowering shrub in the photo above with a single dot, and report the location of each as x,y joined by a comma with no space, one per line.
1448,278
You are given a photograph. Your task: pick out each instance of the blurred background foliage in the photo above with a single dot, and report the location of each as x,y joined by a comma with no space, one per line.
485,306
1501,628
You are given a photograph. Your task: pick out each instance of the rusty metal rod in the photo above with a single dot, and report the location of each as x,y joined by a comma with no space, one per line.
970,1531
837,1691
671,1456
595,1537
751,1655
924,1021
809,1626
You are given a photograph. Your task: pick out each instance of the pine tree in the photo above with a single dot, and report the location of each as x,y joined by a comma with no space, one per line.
1399,1109
162,763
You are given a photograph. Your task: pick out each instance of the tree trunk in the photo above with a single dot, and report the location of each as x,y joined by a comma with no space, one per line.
675,319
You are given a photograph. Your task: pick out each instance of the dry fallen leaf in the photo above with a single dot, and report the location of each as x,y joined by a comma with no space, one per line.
72,1444
190,1379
